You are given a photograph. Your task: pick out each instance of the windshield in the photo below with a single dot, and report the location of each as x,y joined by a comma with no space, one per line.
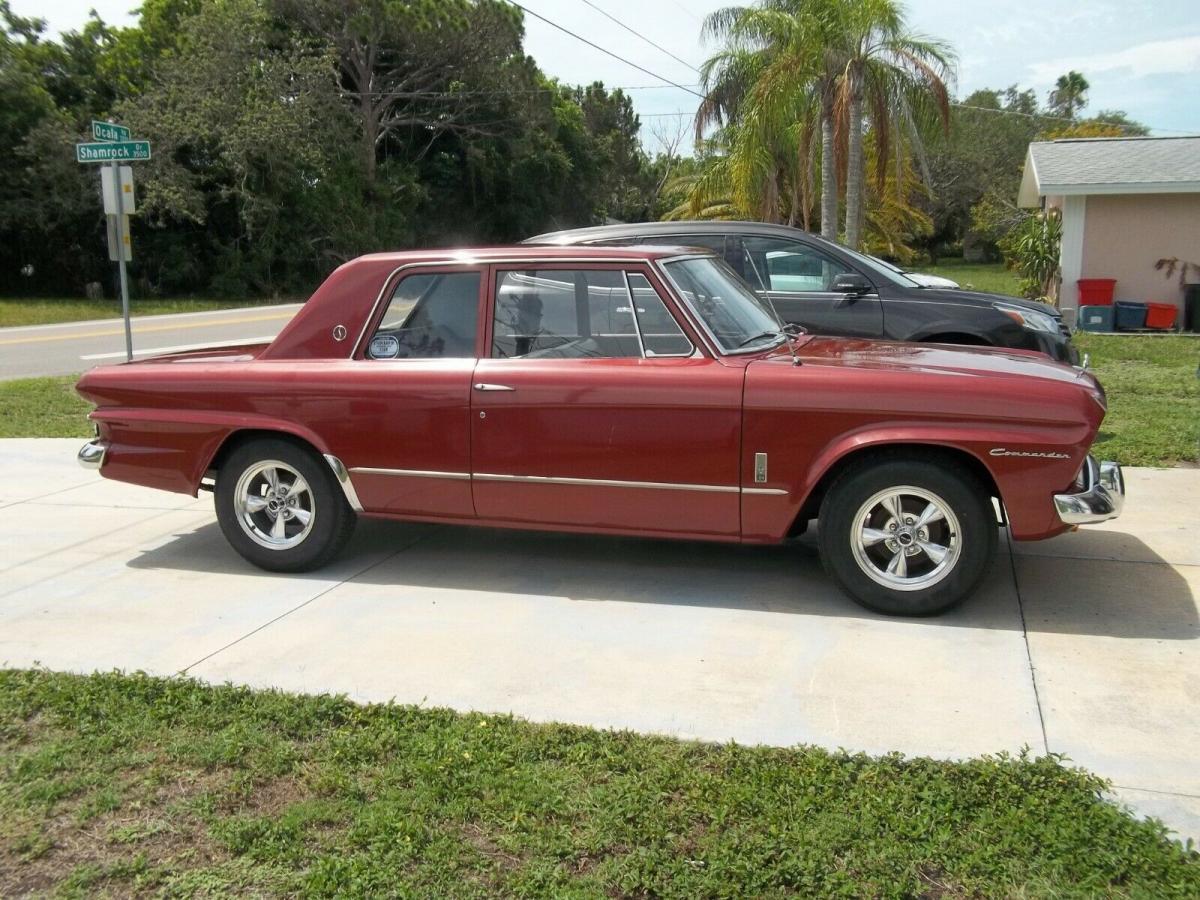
879,267
730,311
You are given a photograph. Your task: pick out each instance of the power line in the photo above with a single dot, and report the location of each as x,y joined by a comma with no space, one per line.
604,51
638,34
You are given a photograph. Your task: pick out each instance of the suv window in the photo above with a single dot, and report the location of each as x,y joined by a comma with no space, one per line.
788,266
429,316
713,242
563,314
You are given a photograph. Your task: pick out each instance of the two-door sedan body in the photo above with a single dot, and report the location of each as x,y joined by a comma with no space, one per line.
633,391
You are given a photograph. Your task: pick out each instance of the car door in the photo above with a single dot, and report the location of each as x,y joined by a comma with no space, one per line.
398,413
593,408
798,277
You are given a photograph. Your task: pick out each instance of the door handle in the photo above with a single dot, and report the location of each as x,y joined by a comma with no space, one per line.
483,386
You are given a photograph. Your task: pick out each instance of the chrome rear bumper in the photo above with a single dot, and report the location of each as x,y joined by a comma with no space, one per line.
1101,499
91,454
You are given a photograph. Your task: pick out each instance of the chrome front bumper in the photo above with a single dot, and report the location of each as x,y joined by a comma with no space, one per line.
1101,499
91,454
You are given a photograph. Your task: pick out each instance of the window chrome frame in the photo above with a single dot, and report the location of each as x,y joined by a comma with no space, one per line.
651,354
715,344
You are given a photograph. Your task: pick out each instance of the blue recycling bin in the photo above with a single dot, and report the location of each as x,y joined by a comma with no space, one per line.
1129,316
1096,318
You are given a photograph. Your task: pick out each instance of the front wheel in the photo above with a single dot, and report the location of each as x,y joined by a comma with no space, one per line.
278,506
906,537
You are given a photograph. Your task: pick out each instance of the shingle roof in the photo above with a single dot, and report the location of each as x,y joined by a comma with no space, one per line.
1111,166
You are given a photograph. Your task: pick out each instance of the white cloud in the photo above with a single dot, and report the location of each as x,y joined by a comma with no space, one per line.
1172,56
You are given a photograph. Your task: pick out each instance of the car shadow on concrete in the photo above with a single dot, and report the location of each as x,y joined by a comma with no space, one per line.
786,578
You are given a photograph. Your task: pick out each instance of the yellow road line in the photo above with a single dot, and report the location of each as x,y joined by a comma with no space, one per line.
145,329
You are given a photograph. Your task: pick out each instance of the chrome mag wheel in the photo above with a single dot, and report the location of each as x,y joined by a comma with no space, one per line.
274,505
906,538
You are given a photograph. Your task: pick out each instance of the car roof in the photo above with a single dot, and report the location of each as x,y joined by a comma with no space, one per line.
532,252
693,226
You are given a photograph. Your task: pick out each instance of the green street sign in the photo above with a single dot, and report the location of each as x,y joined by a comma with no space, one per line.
107,131
122,151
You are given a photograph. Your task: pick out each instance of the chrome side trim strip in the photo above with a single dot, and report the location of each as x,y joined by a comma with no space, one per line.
343,478
608,482
91,455
541,479
413,473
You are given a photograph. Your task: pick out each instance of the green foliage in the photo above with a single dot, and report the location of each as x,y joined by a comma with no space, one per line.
228,791
290,136
1032,249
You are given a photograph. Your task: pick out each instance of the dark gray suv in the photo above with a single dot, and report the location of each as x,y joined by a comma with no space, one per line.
828,289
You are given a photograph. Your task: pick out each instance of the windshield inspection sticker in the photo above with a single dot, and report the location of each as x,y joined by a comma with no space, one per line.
385,346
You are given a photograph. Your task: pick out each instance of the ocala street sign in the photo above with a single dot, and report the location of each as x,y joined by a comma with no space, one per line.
121,151
108,131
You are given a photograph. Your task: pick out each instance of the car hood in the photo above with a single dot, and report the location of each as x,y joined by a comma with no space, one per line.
929,358
1022,303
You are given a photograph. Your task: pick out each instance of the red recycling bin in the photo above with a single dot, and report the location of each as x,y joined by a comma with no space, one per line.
1096,291
1160,315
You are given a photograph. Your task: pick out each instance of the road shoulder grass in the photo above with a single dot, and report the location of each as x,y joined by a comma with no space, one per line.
139,785
43,407
20,311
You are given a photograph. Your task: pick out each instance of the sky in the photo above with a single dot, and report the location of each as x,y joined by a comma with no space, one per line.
1141,56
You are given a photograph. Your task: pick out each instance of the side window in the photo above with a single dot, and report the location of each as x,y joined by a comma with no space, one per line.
788,266
563,314
429,316
661,334
713,242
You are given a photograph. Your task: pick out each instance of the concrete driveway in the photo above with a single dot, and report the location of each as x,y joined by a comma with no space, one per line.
1085,645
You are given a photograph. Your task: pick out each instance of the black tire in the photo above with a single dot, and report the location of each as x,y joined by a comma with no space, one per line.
332,519
848,561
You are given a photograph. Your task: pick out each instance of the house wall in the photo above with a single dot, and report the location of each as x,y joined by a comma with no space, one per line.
1124,235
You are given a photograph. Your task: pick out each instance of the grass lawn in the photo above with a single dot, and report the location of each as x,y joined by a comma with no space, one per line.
137,785
1153,397
49,312
43,407
992,278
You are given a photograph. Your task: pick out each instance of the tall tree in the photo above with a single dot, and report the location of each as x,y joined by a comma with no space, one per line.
900,76
414,66
1069,95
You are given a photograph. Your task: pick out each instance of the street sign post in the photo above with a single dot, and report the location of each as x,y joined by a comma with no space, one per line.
107,131
114,145
110,185
120,151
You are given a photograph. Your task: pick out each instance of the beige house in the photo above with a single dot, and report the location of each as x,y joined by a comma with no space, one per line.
1126,203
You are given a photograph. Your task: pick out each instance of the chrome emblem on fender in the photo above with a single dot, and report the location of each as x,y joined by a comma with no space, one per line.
1004,451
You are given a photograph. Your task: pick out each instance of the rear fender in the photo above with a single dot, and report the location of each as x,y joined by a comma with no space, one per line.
172,449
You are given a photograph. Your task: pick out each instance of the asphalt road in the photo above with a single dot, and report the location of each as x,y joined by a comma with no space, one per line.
72,347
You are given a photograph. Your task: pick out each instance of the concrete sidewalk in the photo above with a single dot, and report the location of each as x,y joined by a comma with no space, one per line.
1085,645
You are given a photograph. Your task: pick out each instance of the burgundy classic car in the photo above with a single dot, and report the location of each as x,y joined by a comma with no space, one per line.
634,391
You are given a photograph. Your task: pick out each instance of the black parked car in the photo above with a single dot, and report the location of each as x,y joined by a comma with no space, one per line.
829,289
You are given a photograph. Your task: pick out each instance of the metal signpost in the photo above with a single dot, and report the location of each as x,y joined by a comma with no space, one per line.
114,146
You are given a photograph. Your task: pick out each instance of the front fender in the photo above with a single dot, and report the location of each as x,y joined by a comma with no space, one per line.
1025,484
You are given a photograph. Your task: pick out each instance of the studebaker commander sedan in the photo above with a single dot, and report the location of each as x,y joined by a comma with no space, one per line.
611,390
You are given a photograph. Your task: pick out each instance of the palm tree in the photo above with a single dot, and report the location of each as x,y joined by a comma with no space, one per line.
1070,94
791,66
900,76
776,80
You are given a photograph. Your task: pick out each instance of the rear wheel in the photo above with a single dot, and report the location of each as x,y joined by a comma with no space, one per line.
907,537
278,506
